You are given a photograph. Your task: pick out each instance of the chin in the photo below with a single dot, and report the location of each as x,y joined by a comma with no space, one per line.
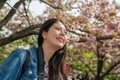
60,46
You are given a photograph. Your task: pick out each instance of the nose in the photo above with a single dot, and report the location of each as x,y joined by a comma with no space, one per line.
63,33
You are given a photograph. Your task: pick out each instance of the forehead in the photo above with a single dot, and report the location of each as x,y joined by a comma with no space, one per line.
59,24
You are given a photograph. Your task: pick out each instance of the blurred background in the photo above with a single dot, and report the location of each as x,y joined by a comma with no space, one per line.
93,30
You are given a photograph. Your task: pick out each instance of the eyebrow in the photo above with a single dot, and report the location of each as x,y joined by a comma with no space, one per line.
62,28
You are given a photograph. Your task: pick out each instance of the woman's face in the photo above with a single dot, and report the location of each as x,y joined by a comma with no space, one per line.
56,36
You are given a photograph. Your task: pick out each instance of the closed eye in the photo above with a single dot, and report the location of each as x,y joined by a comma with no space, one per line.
57,28
60,29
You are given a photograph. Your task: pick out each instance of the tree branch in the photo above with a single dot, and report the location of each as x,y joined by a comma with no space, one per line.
51,5
2,2
90,70
27,17
111,68
11,13
105,37
31,30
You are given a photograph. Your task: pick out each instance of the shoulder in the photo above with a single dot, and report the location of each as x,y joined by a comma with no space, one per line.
18,52
22,51
33,49
33,52
16,56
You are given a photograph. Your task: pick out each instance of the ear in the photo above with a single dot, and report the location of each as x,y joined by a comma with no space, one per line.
44,34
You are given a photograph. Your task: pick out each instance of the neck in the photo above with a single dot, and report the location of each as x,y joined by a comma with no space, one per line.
48,52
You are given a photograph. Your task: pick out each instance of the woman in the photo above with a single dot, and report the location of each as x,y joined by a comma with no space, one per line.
52,44
52,38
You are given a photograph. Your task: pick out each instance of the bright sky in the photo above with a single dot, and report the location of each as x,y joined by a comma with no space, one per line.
36,7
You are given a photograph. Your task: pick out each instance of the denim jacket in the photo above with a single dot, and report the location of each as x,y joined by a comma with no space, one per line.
11,68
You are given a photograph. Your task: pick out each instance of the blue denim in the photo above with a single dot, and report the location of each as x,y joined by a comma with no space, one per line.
11,68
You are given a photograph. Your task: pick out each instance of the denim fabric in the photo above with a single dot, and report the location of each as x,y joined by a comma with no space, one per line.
11,68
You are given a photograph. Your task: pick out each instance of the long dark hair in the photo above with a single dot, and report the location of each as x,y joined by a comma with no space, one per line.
56,63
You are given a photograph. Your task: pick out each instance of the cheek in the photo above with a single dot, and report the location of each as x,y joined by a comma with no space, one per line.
53,32
52,36
66,39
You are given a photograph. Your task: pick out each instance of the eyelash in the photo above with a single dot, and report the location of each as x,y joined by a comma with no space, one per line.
57,28
60,29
